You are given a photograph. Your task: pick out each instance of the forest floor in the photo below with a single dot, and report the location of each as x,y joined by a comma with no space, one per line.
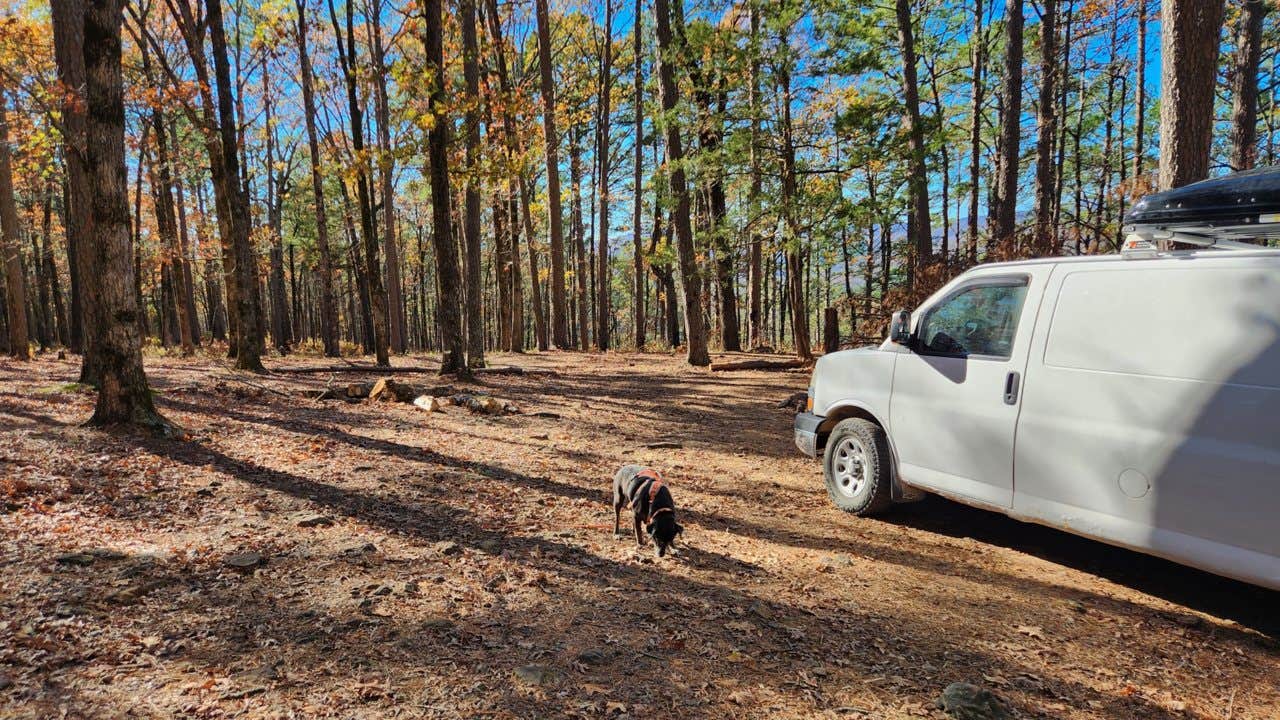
308,558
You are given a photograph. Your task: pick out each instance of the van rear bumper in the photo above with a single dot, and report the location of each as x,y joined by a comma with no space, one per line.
806,433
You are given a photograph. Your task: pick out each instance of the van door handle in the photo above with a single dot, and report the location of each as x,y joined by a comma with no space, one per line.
1011,388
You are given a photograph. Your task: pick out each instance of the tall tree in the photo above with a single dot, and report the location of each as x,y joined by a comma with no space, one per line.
1189,32
559,310
1008,150
1140,90
10,238
1244,84
471,199
978,54
123,394
448,280
324,265
248,340
755,317
68,44
637,206
396,326
691,280
1046,127
917,175
347,58
604,314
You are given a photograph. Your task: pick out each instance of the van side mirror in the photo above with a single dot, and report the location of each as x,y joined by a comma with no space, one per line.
900,328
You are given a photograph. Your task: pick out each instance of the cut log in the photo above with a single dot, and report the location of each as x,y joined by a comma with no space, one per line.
359,390
394,390
760,365
484,404
429,403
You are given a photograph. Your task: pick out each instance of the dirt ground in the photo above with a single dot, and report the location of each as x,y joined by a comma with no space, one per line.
306,558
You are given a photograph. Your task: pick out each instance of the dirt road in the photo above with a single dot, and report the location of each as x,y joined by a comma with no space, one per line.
306,558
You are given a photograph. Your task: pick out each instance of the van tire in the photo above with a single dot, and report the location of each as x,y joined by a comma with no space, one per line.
856,467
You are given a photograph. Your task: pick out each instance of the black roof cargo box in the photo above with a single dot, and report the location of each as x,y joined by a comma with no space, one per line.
1245,198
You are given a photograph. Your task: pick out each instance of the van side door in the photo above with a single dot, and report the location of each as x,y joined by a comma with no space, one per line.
956,389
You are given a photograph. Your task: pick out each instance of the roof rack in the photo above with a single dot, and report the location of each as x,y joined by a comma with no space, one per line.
1145,240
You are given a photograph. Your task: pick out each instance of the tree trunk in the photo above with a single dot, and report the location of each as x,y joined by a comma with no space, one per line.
979,52
1140,89
1046,122
604,313
167,227
755,320
576,232
639,290
695,330
324,268
1189,32
559,313
917,174
471,201
68,42
396,325
346,45
796,296
123,395
1244,85
1005,217
10,237
448,282
281,328
248,341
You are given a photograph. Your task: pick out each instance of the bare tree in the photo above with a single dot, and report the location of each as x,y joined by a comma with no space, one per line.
637,205
603,312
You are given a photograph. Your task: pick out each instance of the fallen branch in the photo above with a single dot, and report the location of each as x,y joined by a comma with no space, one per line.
761,365
513,370
352,368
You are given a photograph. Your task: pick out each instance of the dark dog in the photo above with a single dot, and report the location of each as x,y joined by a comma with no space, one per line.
642,489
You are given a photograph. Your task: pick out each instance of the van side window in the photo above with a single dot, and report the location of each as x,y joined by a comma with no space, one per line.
977,320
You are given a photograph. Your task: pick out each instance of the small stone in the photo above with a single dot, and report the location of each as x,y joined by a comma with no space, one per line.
448,547
6,682
411,587
592,656
1077,606
438,624
204,492
536,674
963,701
365,549
244,561
491,546
307,520
76,558
383,590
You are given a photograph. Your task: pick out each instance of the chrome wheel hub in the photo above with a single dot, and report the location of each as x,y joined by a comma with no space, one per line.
849,468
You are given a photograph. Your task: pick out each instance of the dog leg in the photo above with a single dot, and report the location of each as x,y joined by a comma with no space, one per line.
617,513
639,535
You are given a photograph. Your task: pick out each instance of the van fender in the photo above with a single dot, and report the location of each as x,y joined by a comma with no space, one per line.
845,409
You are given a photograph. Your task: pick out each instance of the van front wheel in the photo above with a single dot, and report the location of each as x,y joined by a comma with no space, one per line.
856,467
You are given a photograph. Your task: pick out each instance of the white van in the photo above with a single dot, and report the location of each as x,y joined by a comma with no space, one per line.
1133,398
